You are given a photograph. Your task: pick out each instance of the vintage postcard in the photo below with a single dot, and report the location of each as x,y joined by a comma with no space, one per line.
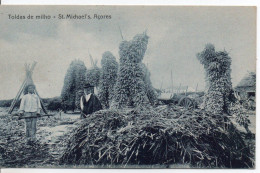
127,87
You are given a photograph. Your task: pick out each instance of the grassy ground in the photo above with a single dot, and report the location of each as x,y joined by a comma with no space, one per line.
52,134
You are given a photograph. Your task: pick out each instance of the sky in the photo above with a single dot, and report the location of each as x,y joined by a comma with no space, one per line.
176,35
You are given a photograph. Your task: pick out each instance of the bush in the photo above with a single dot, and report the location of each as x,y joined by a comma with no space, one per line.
53,104
7,103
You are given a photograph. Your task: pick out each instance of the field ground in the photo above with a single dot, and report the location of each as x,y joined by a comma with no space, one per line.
52,133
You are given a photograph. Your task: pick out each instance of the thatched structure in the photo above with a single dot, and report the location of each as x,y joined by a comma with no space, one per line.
247,86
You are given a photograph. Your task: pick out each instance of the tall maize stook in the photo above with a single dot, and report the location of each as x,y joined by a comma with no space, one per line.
107,78
130,89
218,79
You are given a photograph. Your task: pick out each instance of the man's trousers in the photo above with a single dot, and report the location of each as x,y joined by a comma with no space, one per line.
30,125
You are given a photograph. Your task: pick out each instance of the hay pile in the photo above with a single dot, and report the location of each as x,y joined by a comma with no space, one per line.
164,135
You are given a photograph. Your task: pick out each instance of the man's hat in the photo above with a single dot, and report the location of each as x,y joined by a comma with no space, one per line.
88,86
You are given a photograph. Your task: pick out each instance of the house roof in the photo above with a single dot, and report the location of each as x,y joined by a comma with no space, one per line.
175,88
248,82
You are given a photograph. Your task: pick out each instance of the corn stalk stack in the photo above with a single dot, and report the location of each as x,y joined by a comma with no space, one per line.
217,67
217,98
107,78
163,135
132,85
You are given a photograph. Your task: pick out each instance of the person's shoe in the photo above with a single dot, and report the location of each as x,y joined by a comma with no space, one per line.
34,139
29,142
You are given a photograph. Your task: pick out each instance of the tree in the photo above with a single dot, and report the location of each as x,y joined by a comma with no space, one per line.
131,85
218,79
74,80
108,78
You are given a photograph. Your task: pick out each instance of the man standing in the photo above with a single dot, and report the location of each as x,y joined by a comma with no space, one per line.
89,102
30,108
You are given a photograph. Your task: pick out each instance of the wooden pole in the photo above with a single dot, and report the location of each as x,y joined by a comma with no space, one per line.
121,32
21,117
179,88
36,92
172,81
60,114
161,84
17,97
28,74
186,91
43,107
32,67
91,59
196,88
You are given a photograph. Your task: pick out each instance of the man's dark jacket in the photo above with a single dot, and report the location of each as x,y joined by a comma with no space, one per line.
91,106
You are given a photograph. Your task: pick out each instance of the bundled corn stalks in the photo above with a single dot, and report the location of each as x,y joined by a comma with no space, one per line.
133,86
217,67
241,115
164,135
93,75
107,78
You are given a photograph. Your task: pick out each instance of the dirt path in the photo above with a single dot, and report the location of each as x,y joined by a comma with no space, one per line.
55,136
51,134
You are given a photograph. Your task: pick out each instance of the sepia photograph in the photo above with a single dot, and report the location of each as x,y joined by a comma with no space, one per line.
128,87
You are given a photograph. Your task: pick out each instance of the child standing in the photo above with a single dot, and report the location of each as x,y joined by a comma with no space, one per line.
30,108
